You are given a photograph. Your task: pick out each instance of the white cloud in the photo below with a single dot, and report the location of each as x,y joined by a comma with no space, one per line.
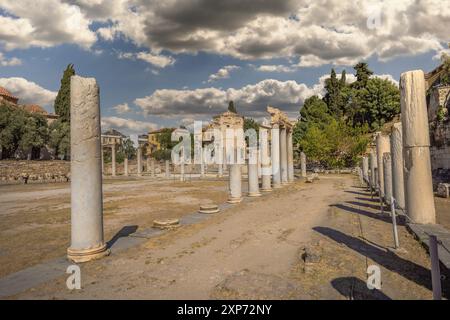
43,23
5,62
122,108
251,100
127,126
159,61
222,73
275,68
29,92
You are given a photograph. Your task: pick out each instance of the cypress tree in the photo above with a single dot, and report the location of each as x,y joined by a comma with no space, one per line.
231,107
62,101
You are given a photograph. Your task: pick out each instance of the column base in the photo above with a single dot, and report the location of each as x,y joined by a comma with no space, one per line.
267,190
254,194
234,200
85,255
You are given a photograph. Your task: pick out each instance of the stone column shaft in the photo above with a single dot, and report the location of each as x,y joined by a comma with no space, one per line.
387,172
253,181
303,164
419,197
275,148
113,160
383,145
235,184
125,167
167,169
139,161
283,156
290,156
182,171
373,165
266,170
87,241
365,168
152,166
398,184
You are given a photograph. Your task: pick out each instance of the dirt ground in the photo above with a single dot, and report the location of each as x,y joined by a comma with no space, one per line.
304,241
35,219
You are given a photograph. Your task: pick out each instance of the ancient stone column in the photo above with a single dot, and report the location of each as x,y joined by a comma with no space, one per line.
86,177
182,171
235,184
103,162
387,177
148,164
365,169
303,164
398,185
139,161
416,148
383,145
283,156
152,167
259,164
266,170
113,160
276,172
373,165
125,167
253,181
167,169
290,156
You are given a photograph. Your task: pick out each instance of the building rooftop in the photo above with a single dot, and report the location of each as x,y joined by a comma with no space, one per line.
6,93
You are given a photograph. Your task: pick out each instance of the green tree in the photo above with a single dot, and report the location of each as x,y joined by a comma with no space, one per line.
165,139
34,134
128,149
60,138
62,101
332,96
445,78
363,74
12,122
231,107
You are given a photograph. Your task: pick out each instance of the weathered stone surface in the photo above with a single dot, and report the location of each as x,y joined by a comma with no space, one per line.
208,208
283,156
303,163
387,172
30,171
290,155
383,145
373,165
86,171
276,171
235,184
398,184
419,198
443,190
166,223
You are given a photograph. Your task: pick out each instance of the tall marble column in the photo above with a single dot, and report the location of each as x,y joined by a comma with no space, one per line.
303,164
139,161
253,181
125,167
113,160
383,145
283,156
398,184
416,148
387,172
276,171
290,156
266,170
235,184
87,241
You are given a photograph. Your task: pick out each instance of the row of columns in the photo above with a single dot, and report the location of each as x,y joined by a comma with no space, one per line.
400,165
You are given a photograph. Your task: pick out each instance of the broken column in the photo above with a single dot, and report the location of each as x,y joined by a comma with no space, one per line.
398,185
167,169
125,167
416,148
87,241
253,181
303,164
276,173
113,160
383,145
139,160
387,177
283,156
290,156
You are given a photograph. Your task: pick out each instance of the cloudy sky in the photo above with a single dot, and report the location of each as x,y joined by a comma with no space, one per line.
162,63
